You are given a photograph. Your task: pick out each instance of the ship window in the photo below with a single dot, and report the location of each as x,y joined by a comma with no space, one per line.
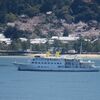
47,59
72,64
68,63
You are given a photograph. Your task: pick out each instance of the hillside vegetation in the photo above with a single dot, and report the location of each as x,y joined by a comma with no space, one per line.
31,19
70,10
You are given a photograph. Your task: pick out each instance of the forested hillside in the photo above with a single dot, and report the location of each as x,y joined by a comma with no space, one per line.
70,10
31,19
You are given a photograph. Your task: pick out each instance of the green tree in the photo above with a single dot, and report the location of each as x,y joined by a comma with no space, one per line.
3,46
66,32
14,33
16,45
25,45
57,44
10,17
96,46
32,10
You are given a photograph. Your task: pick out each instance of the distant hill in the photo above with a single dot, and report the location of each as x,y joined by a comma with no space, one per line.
70,10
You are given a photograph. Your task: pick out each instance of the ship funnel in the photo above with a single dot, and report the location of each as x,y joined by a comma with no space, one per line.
58,54
48,54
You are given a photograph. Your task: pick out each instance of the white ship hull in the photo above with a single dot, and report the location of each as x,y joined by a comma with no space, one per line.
30,67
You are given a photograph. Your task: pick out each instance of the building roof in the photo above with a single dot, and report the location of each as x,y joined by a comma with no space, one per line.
38,40
4,39
69,38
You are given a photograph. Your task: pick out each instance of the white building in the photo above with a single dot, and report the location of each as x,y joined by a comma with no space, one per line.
65,39
23,39
62,39
4,39
38,41
49,12
11,24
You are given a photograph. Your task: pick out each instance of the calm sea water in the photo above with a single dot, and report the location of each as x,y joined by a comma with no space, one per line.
19,85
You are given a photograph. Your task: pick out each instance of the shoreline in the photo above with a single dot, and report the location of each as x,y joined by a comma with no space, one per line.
65,55
71,55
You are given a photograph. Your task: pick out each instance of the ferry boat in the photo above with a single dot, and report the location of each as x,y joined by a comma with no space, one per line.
57,64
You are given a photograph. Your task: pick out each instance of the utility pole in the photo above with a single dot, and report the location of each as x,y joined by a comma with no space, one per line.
81,44
81,47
